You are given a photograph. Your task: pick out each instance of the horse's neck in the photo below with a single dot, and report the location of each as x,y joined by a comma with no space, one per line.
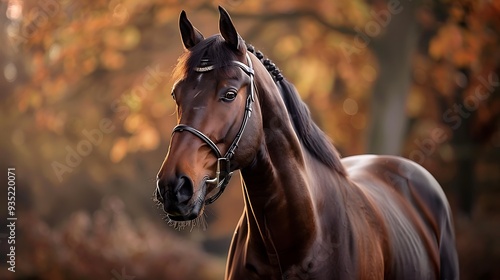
277,191
277,200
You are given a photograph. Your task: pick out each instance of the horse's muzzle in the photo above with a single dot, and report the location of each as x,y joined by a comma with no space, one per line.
182,212
189,217
178,198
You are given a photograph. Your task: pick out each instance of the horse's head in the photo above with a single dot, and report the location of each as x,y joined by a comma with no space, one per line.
215,135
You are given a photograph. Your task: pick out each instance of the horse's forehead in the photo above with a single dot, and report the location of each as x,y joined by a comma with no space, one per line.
208,78
193,89
196,80
193,81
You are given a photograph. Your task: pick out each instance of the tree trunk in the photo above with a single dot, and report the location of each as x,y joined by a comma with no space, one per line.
394,51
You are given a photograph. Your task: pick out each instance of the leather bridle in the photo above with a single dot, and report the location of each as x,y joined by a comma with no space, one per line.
223,173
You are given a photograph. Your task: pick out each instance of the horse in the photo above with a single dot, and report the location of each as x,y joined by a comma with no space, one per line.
308,214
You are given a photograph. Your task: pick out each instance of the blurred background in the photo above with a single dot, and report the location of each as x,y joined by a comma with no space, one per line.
86,119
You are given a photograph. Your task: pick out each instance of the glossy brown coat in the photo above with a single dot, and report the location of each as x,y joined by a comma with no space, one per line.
308,214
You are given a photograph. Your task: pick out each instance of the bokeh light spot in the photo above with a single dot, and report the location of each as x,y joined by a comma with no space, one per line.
14,10
10,72
461,79
350,106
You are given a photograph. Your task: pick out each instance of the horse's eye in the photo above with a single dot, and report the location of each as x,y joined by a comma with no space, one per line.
173,95
230,95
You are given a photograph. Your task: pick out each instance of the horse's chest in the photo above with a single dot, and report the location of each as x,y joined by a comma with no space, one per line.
256,266
322,262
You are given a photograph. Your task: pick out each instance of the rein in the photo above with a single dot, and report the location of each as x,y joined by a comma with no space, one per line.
223,173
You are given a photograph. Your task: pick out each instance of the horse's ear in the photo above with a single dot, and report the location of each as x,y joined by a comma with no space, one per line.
190,35
227,30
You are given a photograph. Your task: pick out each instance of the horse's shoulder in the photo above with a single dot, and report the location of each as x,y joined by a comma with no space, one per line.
388,175
384,161
387,168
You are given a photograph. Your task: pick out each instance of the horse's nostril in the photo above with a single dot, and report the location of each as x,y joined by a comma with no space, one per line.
179,190
184,189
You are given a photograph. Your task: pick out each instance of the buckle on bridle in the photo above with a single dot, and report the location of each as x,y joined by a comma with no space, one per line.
222,176
223,169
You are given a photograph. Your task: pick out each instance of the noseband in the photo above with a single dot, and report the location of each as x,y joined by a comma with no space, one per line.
223,173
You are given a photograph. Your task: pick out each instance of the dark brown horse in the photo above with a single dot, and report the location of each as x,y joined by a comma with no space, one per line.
308,214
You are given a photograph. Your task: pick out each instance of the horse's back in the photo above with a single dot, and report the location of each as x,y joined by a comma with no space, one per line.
415,212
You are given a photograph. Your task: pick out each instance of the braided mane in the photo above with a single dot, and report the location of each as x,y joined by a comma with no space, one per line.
310,135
